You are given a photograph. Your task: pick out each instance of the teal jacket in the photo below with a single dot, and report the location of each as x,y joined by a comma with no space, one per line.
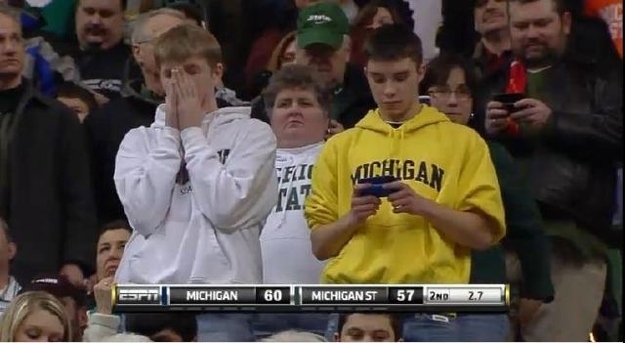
525,235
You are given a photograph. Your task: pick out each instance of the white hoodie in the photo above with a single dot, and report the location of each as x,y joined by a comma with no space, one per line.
103,328
207,230
285,239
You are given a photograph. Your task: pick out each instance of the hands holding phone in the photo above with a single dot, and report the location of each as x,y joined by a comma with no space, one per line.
515,107
183,103
366,199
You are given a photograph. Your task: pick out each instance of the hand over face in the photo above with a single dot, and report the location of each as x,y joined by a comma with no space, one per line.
404,199
188,101
363,207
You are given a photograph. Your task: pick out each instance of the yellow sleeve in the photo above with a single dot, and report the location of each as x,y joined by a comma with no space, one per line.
479,188
322,203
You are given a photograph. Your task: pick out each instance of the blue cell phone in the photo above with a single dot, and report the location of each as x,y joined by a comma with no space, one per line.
377,186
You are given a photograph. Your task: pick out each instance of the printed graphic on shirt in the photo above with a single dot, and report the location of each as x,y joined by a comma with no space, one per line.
294,184
182,178
423,172
223,155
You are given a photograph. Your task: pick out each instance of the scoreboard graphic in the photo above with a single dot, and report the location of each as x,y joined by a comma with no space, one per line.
311,298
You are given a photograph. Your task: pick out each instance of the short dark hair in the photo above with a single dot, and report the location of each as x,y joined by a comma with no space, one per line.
148,324
439,68
559,5
114,225
296,76
392,43
396,323
74,91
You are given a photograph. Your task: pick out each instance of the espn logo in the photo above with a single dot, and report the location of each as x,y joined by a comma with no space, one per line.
134,295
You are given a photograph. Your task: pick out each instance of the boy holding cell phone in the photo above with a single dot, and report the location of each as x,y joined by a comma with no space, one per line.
405,195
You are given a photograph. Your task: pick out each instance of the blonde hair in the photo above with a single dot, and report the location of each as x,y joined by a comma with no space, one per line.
26,304
294,336
185,41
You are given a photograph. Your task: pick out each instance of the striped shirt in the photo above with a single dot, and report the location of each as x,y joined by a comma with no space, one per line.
8,293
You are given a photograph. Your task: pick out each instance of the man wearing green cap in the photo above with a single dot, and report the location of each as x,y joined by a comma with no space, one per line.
323,43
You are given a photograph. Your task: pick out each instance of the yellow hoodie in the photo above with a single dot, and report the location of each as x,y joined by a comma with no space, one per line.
440,160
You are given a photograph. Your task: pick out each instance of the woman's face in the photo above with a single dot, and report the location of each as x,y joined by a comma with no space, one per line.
382,17
40,326
453,98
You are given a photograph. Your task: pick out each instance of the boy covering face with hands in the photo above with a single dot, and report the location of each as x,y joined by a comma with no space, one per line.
197,184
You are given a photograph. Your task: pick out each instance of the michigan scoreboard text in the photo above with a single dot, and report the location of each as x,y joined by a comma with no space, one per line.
311,298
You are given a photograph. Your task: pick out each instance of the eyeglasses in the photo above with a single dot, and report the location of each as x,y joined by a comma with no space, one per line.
461,93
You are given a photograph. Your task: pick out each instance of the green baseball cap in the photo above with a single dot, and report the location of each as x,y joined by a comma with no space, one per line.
322,23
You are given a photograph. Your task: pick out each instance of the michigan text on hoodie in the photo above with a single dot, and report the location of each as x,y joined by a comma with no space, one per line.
203,227
441,161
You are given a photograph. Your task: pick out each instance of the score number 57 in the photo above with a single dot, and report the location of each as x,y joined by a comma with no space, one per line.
405,295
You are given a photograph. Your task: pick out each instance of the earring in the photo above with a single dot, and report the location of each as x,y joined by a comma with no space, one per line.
471,115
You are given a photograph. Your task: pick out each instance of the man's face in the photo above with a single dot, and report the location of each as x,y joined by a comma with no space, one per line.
12,50
77,316
144,51
109,252
7,250
328,62
297,116
99,22
537,33
204,77
79,107
360,327
490,15
394,85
